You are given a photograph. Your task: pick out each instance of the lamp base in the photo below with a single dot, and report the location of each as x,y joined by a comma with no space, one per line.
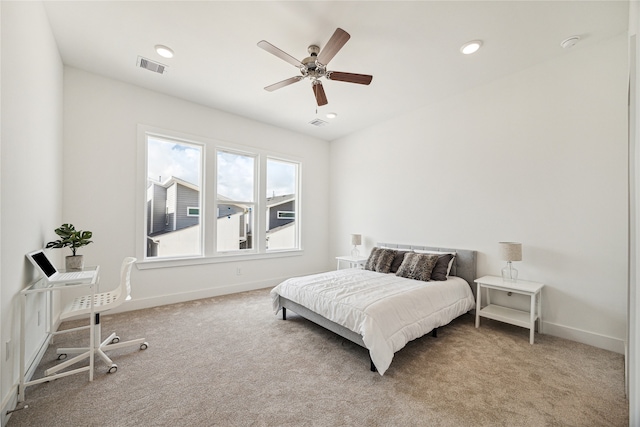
355,253
509,274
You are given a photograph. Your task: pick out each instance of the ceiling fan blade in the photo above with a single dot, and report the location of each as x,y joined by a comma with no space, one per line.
279,53
361,79
283,83
335,43
318,91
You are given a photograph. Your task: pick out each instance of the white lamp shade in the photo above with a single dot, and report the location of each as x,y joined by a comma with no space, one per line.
510,251
356,239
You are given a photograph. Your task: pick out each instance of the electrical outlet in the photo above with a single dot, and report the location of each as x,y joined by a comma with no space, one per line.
7,351
238,271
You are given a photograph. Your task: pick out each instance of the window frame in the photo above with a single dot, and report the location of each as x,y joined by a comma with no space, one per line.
209,201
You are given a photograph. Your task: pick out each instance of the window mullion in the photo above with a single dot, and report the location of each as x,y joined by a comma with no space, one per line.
261,197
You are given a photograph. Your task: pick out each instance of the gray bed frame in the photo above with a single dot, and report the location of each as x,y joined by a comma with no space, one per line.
464,266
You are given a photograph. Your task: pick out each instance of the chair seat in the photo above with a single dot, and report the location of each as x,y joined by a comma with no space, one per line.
82,304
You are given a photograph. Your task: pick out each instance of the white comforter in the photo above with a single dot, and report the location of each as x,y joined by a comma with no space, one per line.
387,310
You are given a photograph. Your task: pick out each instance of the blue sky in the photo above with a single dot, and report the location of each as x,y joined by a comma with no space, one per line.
235,178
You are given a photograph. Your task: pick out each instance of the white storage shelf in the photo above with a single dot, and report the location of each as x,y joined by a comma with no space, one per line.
506,314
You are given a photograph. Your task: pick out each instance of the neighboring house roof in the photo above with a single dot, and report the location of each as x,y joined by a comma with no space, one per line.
274,230
278,200
171,180
165,232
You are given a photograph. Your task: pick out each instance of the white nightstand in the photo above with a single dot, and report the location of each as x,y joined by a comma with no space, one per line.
509,315
354,262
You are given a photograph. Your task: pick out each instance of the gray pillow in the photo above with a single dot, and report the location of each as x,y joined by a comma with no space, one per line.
397,260
380,260
441,268
417,266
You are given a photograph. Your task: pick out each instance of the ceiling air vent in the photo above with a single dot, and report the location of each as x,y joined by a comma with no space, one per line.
318,122
150,65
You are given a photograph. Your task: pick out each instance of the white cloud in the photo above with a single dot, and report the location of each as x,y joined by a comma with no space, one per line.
167,159
281,178
236,176
235,171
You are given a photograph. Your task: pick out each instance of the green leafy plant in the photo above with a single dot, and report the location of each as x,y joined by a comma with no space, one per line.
70,238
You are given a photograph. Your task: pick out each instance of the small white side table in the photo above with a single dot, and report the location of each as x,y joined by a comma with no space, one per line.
509,315
354,262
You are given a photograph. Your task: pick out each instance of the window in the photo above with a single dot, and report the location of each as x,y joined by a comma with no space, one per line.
286,215
282,202
235,201
248,204
173,196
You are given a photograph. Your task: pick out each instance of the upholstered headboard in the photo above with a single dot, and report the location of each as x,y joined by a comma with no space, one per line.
464,265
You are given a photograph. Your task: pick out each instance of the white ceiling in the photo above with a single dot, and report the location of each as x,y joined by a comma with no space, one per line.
411,48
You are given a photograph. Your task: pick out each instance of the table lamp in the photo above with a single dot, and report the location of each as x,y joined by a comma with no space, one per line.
510,251
356,240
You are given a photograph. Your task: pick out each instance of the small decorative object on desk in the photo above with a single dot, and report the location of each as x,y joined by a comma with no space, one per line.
510,251
356,240
73,239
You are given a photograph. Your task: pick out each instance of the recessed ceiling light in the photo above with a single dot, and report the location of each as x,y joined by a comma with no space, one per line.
332,115
570,42
471,47
164,51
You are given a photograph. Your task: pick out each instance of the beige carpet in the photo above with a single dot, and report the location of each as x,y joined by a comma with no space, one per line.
229,361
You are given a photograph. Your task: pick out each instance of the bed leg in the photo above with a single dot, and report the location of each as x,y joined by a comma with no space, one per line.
373,366
284,313
434,333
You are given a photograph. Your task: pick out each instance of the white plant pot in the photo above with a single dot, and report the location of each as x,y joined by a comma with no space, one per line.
74,263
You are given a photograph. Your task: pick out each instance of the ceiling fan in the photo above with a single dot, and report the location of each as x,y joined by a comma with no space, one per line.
314,67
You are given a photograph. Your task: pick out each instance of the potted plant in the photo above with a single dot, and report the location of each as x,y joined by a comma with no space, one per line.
73,239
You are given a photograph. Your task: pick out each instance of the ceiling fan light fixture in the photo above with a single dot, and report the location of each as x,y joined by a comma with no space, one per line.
471,47
164,51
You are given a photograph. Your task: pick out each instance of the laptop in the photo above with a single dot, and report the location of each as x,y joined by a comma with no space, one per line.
51,274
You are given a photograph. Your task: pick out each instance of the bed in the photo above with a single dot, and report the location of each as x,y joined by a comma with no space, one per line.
382,311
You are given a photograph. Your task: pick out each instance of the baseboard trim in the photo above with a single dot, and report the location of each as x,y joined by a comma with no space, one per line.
8,404
616,345
138,304
32,365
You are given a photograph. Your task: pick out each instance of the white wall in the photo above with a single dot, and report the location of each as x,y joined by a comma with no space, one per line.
539,157
31,169
100,137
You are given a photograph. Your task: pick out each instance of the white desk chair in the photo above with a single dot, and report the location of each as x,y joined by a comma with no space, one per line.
101,303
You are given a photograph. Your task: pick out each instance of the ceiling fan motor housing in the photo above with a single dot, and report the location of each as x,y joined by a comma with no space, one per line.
311,67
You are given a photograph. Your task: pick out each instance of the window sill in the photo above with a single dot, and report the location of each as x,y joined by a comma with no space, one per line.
199,260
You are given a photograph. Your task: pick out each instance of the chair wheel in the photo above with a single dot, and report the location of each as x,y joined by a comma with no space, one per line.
112,369
115,339
62,356
144,346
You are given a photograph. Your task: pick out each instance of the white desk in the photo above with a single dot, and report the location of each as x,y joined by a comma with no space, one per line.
42,285
506,314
